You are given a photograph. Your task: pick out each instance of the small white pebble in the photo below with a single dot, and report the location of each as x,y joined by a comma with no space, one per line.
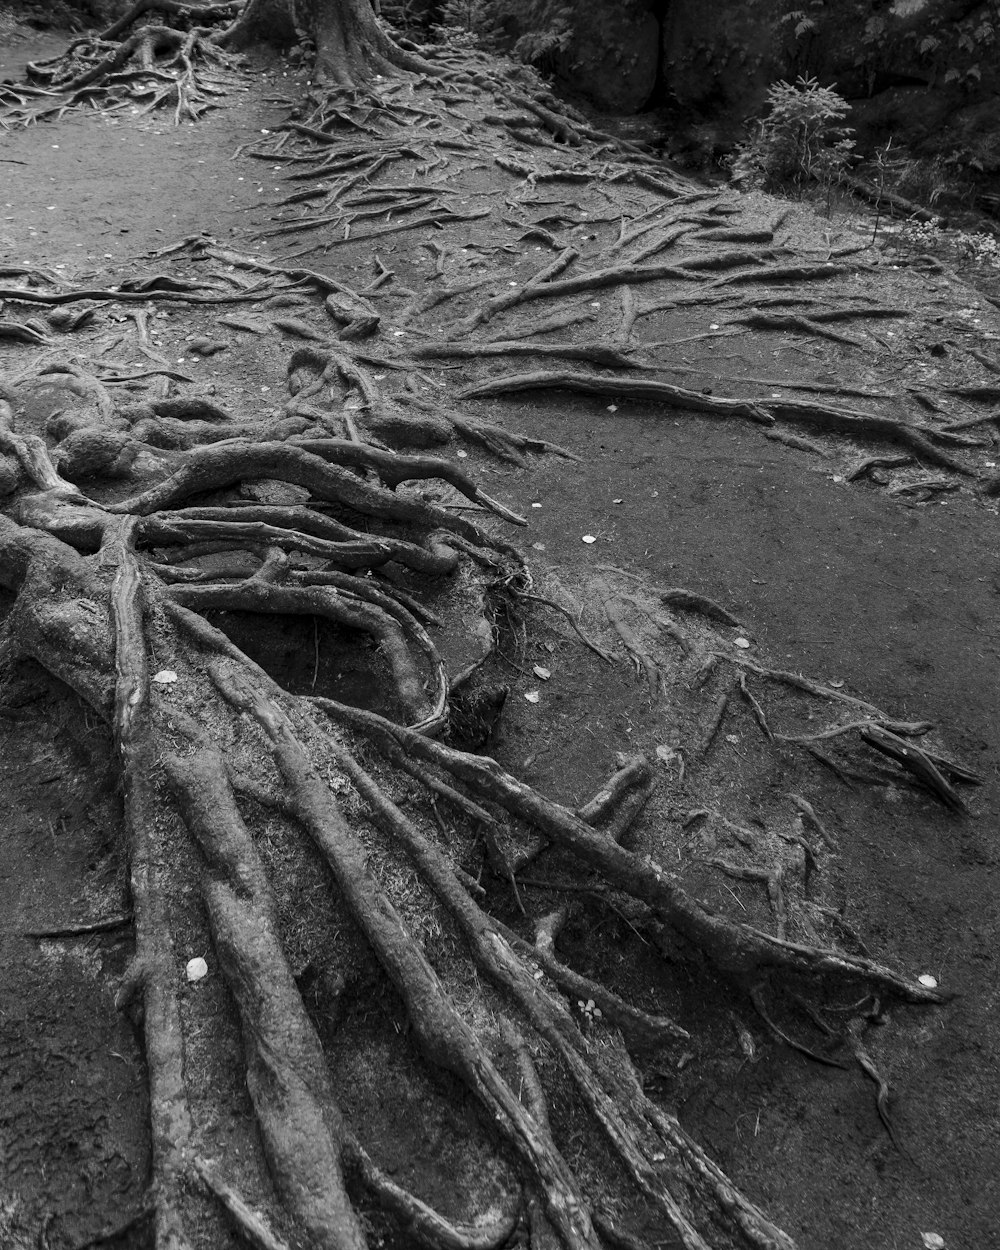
929,983
589,538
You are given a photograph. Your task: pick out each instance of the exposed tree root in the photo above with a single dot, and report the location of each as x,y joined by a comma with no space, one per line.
252,1226
763,411
626,388
154,66
133,536
733,947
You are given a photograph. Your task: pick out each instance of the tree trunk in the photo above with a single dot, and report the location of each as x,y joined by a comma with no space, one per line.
263,21
351,47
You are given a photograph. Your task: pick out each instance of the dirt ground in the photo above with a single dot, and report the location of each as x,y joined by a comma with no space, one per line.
895,596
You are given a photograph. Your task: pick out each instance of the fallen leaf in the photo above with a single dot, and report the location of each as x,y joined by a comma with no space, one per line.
666,755
742,643
927,981
164,677
196,969
618,501
462,455
589,538
537,546
612,407
932,1241
837,685
532,696
543,673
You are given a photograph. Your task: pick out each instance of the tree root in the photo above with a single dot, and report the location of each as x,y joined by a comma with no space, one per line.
733,947
99,66
689,601
600,354
444,1038
302,1130
757,998
558,607
643,661
249,768
624,388
108,925
151,977
869,1068
915,761
423,1224
395,631
252,1226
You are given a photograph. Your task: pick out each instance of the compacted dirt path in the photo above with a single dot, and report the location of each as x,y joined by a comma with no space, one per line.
878,581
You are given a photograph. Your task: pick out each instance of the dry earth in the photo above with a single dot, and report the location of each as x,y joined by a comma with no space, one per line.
870,589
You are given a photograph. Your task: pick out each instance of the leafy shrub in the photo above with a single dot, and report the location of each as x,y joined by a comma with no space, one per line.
468,23
963,246
802,138
545,26
533,30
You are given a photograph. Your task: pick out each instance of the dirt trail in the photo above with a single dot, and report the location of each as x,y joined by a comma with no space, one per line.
894,596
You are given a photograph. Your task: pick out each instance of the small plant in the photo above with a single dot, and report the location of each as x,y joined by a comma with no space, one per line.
534,31
802,139
962,246
407,16
468,24
545,25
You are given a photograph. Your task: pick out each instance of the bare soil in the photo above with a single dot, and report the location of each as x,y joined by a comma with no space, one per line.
895,597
